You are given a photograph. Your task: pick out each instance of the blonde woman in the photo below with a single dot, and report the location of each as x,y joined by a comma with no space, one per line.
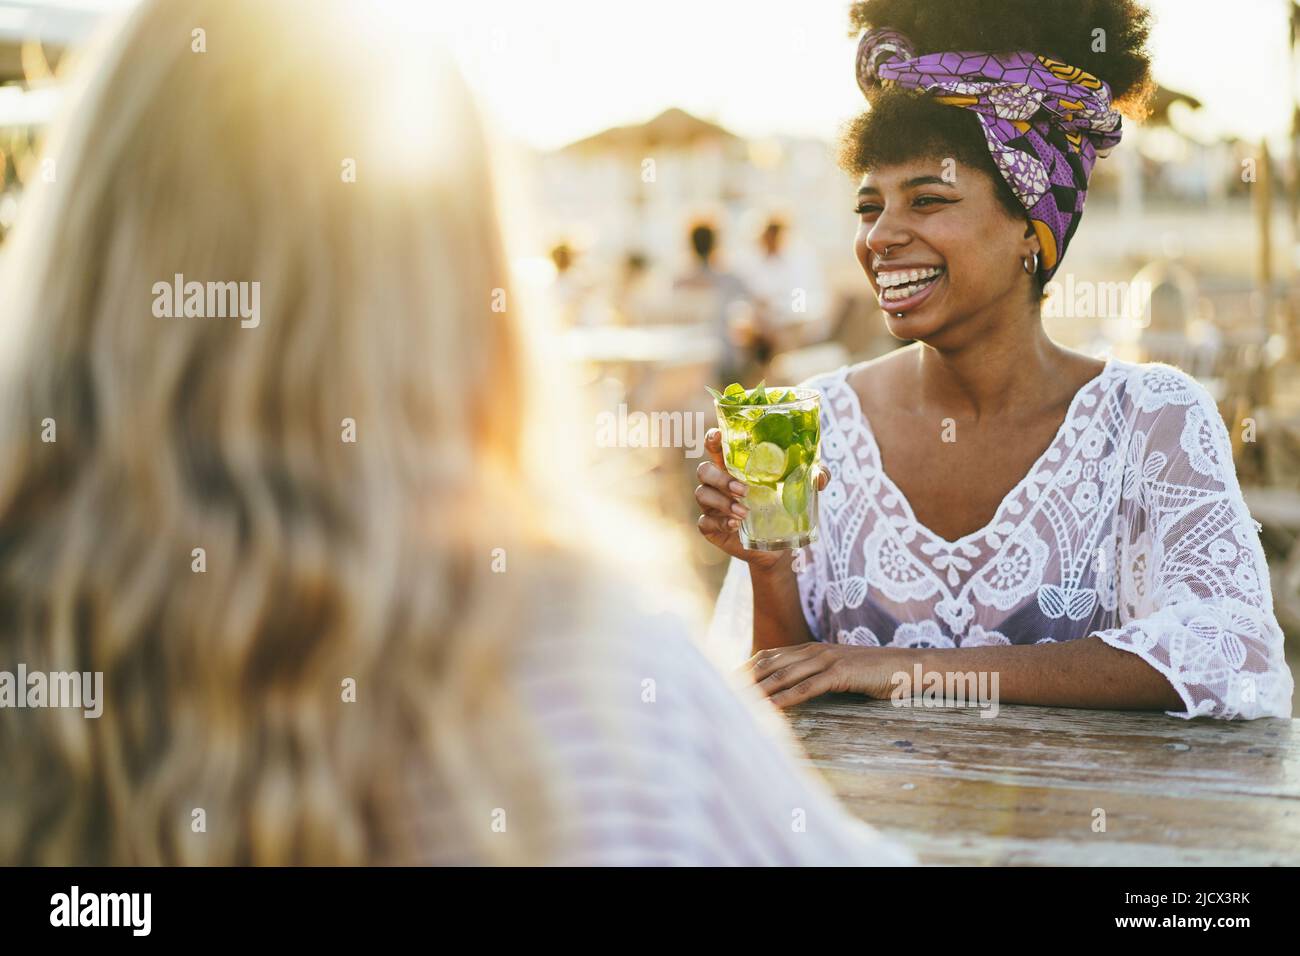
265,453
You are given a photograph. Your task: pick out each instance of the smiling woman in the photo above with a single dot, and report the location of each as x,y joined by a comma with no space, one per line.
997,502
1028,126
1101,40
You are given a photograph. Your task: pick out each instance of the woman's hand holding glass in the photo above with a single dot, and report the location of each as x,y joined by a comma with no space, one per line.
722,504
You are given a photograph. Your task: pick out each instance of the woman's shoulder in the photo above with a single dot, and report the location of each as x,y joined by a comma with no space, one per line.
848,383
1150,388
1175,426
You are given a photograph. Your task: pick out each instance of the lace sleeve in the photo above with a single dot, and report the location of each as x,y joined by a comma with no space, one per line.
1193,585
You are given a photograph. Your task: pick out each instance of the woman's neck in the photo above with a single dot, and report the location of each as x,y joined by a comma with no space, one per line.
1019,373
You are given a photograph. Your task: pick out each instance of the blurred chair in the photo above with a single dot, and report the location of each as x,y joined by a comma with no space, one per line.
858,325
1165,313
848,339
793,367
692,306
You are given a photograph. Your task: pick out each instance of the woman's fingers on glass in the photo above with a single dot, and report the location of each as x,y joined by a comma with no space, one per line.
713,444
717,477
715,502
717,525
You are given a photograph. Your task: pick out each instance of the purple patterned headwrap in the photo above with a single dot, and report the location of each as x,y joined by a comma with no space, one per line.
1045,122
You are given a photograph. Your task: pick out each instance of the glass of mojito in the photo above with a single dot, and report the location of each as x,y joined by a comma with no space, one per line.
770,441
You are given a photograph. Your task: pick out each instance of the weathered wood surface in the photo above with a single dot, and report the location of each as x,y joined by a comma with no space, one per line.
1022,788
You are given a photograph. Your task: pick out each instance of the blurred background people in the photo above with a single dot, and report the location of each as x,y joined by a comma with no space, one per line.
352,597
713,297
640,294
788,290
572,294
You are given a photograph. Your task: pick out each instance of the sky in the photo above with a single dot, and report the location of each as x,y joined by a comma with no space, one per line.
549,73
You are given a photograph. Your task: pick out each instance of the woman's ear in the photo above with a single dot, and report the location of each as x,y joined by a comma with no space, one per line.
1036,246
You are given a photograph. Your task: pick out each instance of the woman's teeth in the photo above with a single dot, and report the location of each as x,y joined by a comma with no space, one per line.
896,286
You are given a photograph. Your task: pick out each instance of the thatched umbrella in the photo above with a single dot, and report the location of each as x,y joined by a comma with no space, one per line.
672,128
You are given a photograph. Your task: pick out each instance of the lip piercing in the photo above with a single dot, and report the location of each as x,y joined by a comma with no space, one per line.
897,315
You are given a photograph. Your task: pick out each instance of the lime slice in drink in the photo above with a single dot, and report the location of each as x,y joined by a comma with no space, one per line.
767,519
773,525
794,493
766,462
774,427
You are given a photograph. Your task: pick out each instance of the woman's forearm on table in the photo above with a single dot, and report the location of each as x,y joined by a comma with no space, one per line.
1083,673
778,618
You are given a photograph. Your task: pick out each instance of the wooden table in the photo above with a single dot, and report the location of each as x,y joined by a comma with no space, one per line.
1023,788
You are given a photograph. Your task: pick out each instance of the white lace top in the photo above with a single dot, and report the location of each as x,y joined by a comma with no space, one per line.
1130,526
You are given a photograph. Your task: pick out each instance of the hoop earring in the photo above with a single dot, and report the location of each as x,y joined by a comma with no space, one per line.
1024,264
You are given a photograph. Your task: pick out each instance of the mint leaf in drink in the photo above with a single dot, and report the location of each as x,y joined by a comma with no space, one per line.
794,493
795,456
776,428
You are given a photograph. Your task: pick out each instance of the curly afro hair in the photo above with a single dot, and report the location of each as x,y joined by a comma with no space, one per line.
904,124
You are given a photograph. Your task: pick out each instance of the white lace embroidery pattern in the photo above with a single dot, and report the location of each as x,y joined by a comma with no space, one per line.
1130,526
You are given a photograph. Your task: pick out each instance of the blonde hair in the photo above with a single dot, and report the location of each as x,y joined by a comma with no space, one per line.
325,559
